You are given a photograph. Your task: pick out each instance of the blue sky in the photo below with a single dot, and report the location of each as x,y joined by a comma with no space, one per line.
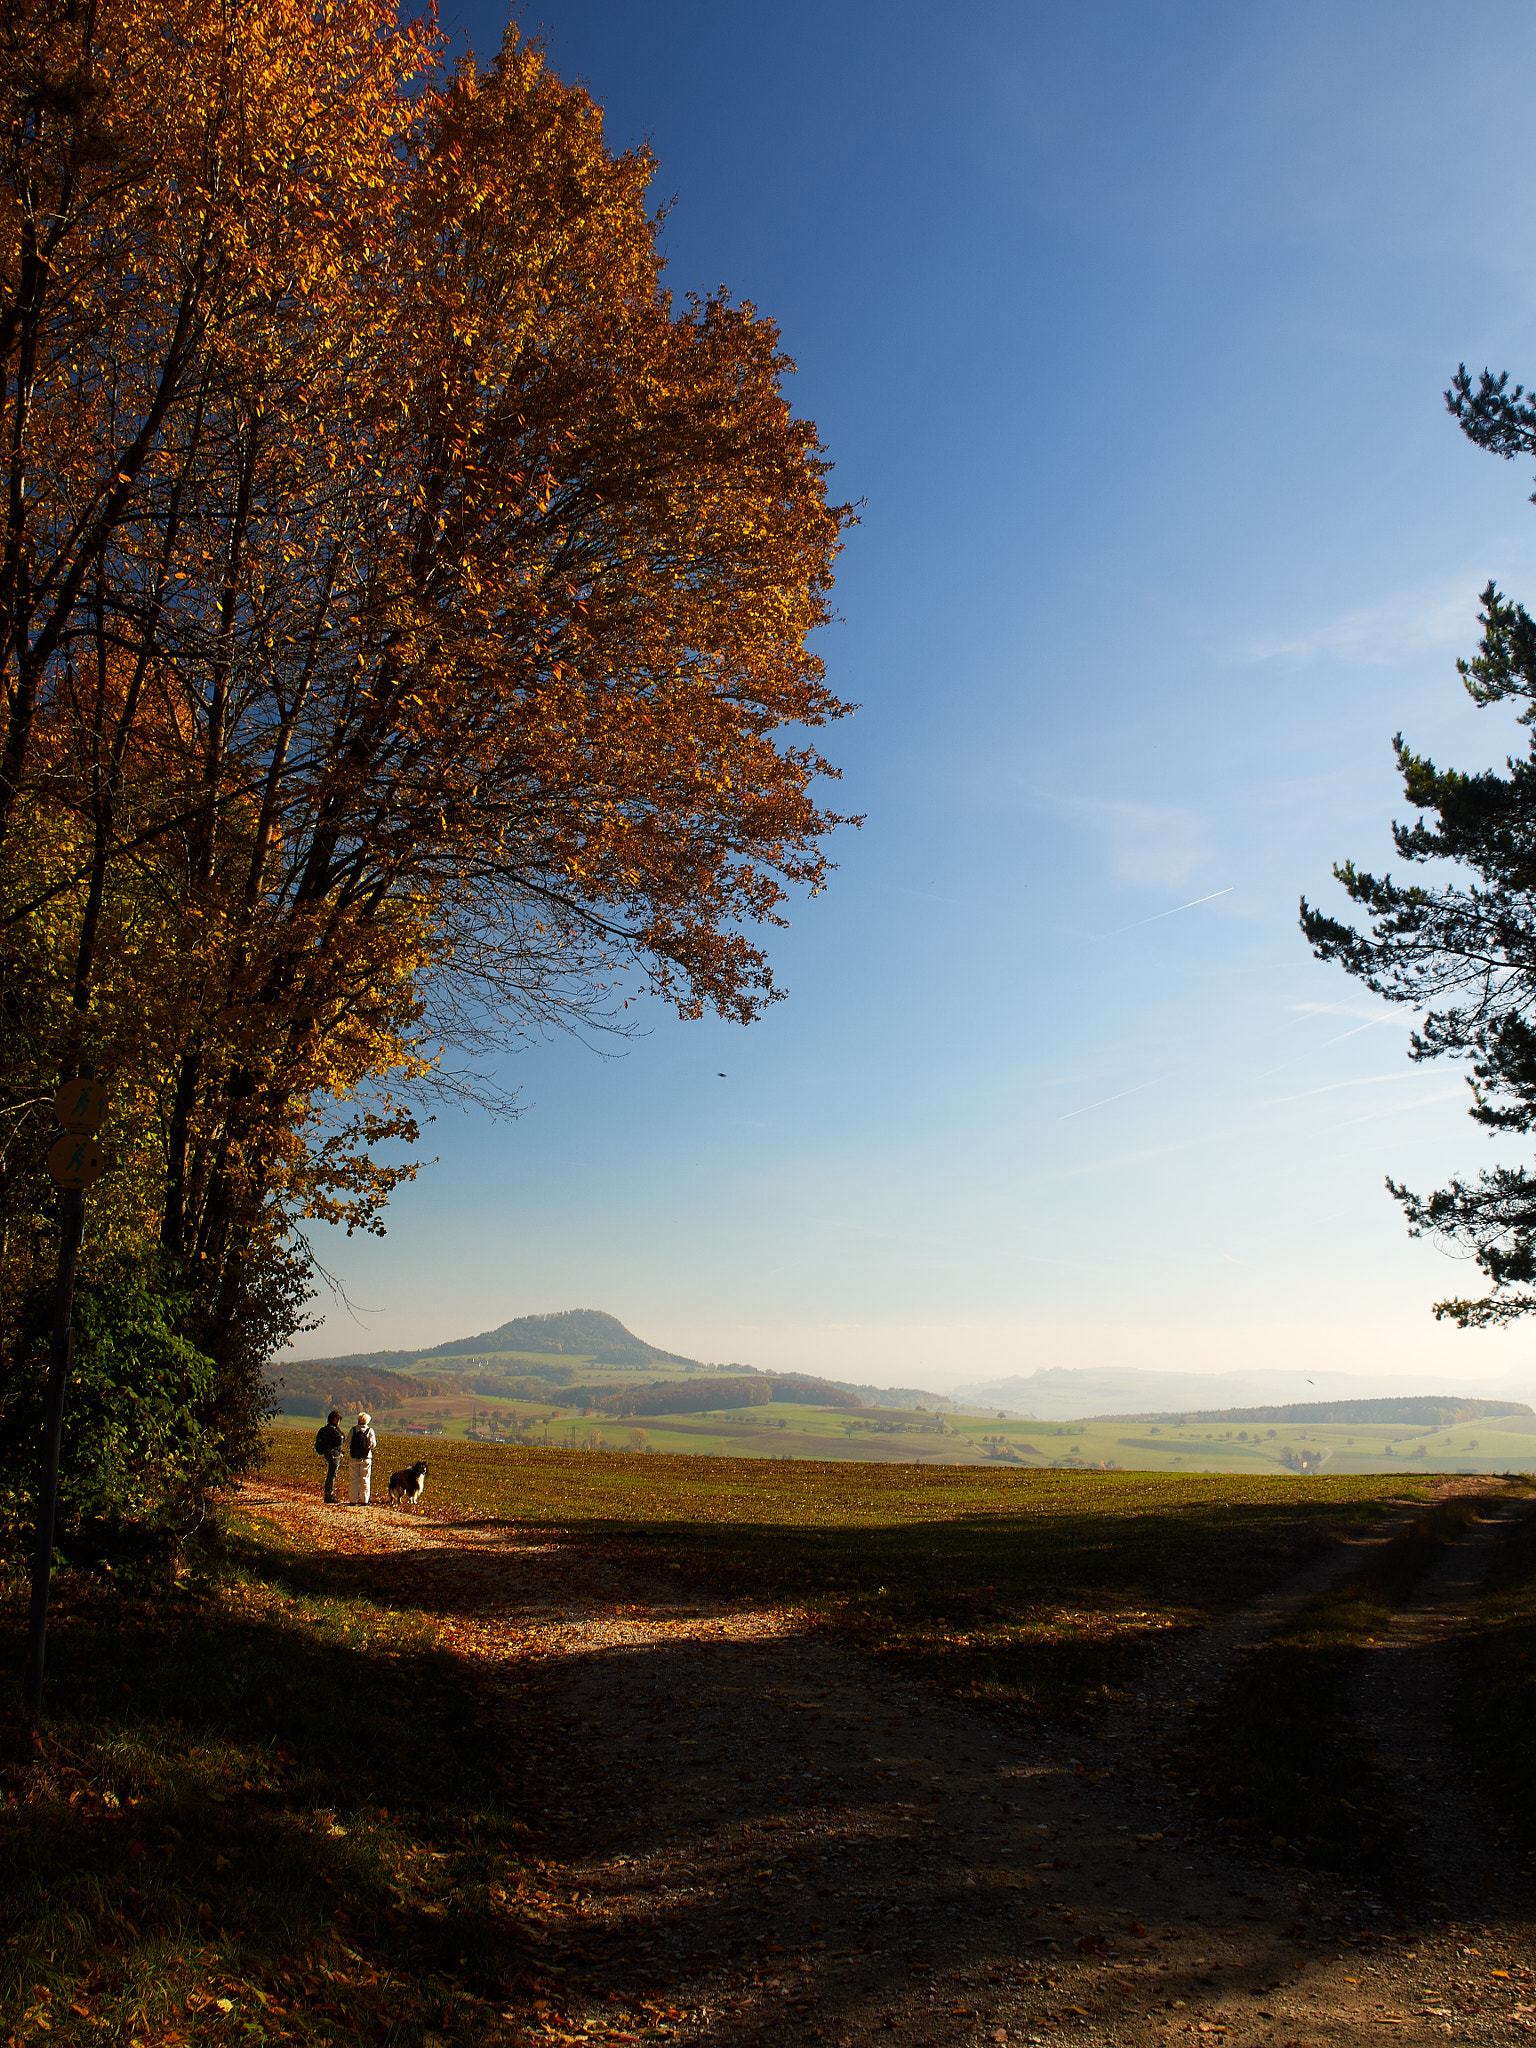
1129,324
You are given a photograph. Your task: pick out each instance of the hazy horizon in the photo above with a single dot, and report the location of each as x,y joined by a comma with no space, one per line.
910,1357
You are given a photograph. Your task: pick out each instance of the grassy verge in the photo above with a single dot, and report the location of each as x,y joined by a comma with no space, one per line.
1032,1590
1497,1695
1280,1759
264,1807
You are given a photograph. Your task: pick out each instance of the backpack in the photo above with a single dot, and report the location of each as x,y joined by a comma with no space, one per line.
323,1449
358,1445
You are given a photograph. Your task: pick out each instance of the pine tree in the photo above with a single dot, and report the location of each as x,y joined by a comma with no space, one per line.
1464,951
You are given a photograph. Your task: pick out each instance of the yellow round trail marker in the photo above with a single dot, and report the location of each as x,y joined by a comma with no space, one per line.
75,1160
80,1107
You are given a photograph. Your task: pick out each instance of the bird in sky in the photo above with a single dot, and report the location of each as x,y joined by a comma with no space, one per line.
719,1076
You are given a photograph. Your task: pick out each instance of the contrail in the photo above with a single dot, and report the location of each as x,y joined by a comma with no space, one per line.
1111,1098
1170,913
1338,1039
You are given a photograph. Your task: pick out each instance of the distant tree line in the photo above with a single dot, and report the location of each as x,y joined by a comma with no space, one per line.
694,1397
305,1391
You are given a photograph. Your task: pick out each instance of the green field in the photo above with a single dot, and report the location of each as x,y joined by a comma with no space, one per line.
972,1437
782,1430
1489,1444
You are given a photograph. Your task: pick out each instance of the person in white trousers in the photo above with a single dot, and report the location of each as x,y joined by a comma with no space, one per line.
361,1444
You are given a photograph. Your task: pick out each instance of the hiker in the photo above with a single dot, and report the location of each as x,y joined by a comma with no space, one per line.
360,1448
329,1443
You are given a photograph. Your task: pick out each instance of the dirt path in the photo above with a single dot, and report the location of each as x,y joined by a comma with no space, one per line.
1403,1696
766,1840
1192,1670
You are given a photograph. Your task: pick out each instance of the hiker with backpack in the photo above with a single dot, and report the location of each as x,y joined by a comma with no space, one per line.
361,1443
330,1444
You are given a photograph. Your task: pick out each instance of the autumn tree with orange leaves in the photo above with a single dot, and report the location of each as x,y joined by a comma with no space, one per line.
406,611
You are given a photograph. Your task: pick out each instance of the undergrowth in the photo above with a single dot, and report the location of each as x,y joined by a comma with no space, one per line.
264,1806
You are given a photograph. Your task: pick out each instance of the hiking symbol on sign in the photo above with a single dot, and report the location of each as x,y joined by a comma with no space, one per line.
75,1160
81,1105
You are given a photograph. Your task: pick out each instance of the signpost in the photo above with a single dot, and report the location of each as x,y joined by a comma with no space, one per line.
74,1161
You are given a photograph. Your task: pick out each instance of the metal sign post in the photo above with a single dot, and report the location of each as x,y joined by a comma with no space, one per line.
74,1161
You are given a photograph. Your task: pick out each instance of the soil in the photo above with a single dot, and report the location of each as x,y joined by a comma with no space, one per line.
762,1838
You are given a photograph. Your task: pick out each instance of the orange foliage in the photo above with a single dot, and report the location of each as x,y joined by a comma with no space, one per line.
406,604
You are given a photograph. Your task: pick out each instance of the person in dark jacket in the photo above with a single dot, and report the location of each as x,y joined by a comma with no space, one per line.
330,1443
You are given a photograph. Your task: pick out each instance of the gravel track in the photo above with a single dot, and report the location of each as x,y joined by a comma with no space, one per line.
764,1838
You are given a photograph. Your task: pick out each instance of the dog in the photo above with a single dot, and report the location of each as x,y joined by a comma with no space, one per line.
409,1485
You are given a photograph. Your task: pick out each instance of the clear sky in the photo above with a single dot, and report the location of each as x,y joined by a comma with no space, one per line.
1129,323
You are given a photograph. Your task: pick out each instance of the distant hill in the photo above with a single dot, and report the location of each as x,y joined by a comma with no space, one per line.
1423,1411
577,1332
351,1362
897,1397
588,1335
1061,1393
585,1334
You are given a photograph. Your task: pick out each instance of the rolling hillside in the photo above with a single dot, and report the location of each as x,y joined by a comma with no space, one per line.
588,1333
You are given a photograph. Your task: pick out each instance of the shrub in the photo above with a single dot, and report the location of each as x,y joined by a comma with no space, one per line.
140,1445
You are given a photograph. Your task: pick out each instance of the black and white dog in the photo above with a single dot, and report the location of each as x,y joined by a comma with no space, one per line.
408,1485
